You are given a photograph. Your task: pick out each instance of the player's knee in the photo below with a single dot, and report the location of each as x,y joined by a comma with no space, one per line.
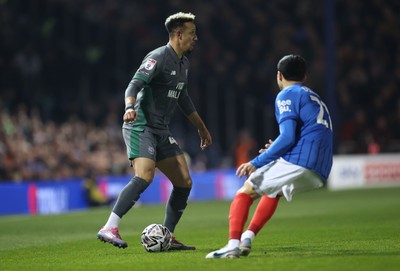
148,176
184,182
249,190
188,182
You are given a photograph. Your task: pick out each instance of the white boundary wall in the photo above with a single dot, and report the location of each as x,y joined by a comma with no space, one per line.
357,171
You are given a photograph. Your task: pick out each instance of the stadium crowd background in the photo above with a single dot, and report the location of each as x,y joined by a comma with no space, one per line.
65,65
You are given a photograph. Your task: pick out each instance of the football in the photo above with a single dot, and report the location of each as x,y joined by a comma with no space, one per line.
156,238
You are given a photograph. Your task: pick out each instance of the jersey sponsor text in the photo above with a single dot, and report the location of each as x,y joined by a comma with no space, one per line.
284,106
173,94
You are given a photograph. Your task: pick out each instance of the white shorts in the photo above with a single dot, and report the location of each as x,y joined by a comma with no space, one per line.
281,177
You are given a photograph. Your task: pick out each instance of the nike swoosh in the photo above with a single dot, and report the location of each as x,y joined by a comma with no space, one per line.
219,255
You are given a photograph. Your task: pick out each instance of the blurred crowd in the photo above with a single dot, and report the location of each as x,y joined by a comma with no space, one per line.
65,65
368,76
33,150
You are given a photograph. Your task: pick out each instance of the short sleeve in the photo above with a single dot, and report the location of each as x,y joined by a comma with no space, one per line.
149,67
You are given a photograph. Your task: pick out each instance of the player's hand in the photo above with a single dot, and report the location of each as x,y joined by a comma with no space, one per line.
245,170
130,115
205,138
267,145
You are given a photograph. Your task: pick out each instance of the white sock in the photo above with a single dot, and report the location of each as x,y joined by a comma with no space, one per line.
113,221
248,234
233,243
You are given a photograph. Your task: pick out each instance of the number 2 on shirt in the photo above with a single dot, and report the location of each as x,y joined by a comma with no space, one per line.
322,110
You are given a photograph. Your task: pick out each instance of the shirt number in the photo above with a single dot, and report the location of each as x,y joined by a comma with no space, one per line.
323,112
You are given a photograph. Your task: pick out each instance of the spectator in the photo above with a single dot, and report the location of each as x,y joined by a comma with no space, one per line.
244,41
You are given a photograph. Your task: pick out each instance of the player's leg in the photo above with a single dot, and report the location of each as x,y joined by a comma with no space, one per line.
279,178
176,170
238,215
130,194
144,169
264,211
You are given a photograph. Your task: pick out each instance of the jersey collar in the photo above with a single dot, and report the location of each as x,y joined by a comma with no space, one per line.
172,52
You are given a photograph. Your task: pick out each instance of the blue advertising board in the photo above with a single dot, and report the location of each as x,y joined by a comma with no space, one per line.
54,197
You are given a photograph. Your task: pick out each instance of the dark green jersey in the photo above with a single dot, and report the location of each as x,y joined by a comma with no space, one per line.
165,78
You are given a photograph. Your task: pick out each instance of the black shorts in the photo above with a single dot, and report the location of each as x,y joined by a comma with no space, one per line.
149,144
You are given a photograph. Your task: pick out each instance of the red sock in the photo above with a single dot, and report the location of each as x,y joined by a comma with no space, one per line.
264,211
238,214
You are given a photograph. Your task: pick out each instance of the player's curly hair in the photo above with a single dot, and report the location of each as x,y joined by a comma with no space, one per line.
176,21
293,67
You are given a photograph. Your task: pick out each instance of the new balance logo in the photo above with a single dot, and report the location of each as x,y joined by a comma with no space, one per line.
173,72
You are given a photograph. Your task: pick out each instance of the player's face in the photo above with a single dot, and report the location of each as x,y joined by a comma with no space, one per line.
188,37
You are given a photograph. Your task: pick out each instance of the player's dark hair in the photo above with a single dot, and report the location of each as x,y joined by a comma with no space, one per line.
177,21
293,67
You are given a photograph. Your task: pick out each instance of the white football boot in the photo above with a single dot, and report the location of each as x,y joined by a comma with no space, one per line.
224,253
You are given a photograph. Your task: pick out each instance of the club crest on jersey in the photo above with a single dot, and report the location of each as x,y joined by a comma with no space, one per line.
150,150
150,63
284,106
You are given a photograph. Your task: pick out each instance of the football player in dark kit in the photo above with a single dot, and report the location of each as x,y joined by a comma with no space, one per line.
156,89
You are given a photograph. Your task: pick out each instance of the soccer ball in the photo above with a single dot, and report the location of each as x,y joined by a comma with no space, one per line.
156,238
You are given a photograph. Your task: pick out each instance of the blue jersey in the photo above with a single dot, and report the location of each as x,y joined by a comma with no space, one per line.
299,107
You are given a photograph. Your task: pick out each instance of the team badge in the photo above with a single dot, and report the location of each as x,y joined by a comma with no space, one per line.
150,63
150,150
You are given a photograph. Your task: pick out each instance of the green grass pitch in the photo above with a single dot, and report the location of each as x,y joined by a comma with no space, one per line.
318,230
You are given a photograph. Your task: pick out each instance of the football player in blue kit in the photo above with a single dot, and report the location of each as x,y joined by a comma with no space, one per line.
299,159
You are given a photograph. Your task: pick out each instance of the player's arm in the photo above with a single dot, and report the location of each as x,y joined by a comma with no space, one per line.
130,98
187,107
205,136
266,146
147,70
285,140
275,149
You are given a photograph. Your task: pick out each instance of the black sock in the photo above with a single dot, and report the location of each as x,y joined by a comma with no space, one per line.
129,195
176,205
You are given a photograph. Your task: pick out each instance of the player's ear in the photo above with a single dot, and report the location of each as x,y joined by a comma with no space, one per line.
279,76
179,34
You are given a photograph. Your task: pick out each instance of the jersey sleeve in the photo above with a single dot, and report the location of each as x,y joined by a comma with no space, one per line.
285,140
287,105
150,66
135,85
185,103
